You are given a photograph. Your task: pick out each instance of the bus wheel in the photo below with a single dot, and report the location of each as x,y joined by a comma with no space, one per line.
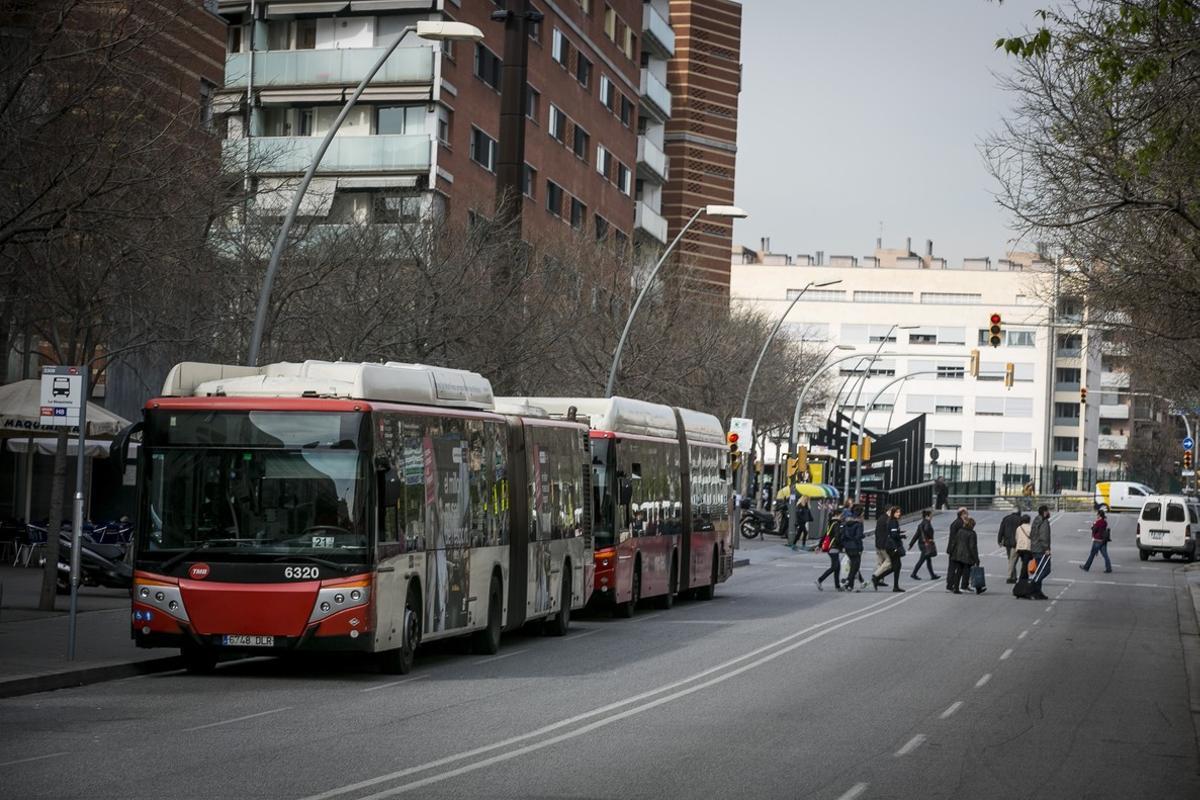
400,660
625,610
707,592
560,623
199,660
487,641
668,599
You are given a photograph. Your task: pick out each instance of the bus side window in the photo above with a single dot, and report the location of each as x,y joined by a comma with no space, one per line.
412,471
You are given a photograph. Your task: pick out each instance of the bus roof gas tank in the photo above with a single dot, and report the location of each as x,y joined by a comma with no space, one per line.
391,382
615,414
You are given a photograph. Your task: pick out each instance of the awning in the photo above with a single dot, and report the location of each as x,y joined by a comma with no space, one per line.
93,448
416,93
275,196
378,182
390,5
284,9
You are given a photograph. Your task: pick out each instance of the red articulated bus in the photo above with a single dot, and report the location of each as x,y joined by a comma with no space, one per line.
661,500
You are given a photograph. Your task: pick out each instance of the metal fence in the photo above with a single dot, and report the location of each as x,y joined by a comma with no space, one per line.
997,478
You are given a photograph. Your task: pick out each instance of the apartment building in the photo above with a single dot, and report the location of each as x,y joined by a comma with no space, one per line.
424,136
929,314
658,47
704,79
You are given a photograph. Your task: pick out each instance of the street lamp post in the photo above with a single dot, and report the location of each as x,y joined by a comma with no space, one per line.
729,212
433,30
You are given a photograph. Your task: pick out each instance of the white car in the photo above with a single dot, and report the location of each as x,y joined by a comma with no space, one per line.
1167,525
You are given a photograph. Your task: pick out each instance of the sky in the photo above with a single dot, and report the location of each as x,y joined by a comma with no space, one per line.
860,112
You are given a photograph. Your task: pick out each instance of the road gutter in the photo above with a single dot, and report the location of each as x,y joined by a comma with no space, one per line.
83,676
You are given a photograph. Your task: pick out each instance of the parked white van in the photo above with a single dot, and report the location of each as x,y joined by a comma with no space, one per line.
1167,526
1121,495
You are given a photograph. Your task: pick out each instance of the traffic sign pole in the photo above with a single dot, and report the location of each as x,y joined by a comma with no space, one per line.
77,527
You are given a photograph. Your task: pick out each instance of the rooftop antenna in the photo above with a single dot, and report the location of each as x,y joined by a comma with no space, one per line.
879,238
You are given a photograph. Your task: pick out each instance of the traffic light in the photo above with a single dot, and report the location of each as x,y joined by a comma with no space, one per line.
994,331
1083,396
798,463
1187,459
1009,373
974,363
735,455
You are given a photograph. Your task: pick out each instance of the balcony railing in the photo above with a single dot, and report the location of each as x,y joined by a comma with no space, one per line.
1114,380
1067,422
1069,352
1112,442
1067,386
283,155
655,96
275,68
1114,411
650,221
651,161
658,33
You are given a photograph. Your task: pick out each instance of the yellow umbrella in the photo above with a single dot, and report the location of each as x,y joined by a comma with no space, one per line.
804,490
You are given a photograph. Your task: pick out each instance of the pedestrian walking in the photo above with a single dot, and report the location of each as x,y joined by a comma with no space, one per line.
1007,538
1024,554
926,546
804,517
1100,540
893,549
832,544
882,561
953,578
1039,548
941,493
964,554
852,546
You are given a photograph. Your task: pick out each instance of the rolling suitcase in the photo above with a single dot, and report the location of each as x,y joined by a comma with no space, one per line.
1042,569
978,580
1022,588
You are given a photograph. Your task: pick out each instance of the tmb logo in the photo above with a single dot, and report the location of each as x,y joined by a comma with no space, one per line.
198,571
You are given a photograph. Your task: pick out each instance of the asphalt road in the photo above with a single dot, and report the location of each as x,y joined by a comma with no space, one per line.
772,690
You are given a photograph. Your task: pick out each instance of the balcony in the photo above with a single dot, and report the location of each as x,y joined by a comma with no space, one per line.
651,162
1114,411
284,155
1066,455
286,68
1066,422
1068,352
1067,386
1112,442
649,221
1114,380
657,33
655,97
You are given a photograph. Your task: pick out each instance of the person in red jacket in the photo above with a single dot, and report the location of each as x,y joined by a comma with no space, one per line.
1100,539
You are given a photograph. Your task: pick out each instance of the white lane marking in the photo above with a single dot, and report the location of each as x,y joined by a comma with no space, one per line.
585,633
1004,656
1050,608
979,684
237,719
31,758
949,712
394,683
509,654
698,622
911,744
854,791
649,616
1054,601
1037,621
828,627
1024,633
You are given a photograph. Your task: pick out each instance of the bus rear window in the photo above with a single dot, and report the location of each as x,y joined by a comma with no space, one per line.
1152,512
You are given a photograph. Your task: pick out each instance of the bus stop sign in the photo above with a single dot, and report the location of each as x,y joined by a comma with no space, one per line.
62,396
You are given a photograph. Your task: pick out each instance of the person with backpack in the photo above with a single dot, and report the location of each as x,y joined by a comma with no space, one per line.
964,554
1100,539
926,546
852,545
832,544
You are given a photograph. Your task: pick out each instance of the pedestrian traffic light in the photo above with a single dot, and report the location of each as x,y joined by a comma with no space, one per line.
1083,396
974,363
1187,459
1009,374
994,331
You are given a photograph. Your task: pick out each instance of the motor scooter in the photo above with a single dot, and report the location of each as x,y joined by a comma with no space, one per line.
755,521
99,565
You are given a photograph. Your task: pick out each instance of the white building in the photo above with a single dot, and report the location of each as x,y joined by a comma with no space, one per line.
933,314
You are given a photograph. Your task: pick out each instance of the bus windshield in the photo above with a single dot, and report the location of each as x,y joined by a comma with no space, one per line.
254,501
603,492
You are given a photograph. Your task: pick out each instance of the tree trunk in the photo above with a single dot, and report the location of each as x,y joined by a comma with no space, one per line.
57,485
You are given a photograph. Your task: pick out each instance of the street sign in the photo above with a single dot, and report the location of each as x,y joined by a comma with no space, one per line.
744,428
62,396
933,454
1188,443
1188,473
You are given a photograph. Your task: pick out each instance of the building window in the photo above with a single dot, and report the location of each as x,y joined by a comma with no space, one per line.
400,120
630,44
610,24
560,50
534,27
306,34
234,42
529,181
626,111
623,178
1066,411
1068,376
578,213
606,92
883,297
950,372
951,298
620,240
533,102
483,149
448,48
487,66
582,143
1021,338
822,295
1066,444
585,6
207,88
601,227
558,123
583,70
603,161
554,198
397,208
444,118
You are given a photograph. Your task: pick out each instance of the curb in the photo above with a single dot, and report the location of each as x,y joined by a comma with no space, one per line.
1189,637
741,562
66,679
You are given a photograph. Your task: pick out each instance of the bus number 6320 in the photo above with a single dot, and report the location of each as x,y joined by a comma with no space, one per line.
302,573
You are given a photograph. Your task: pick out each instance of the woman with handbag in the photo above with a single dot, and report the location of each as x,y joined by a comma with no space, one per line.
832,544
852,545
965,553
927,547
894,548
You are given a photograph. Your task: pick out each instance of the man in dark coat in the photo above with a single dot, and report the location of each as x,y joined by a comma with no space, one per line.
964,554
952,577
1007,538
941,493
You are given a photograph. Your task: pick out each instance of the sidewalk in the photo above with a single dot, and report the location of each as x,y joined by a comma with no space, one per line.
1188,578
33,643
